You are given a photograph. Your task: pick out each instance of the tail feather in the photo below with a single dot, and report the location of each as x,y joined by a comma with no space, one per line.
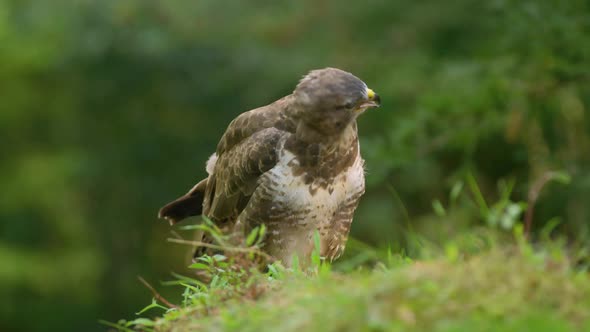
188,205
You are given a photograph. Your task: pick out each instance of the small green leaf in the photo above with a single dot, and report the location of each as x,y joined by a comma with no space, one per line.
317,241
456,191
562,177
117,326
143,322
190,227
295,263
505,188
316,258
219,258
477,195
261,234
252,236
452,252
438,208
154,304
199,266
184,279
549,227
214,281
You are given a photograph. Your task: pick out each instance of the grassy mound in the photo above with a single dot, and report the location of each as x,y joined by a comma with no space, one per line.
510,288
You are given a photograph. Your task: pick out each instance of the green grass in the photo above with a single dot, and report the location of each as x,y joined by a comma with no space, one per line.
476,278
513,287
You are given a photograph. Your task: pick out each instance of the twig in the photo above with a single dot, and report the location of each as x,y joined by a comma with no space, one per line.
156,294
176,235
533,195
214,246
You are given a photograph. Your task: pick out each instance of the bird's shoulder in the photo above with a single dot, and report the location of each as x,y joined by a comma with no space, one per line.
245,125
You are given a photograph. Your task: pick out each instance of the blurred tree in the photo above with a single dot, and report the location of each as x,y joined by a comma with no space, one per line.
110,108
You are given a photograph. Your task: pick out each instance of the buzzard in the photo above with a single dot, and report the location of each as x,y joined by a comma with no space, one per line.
294,166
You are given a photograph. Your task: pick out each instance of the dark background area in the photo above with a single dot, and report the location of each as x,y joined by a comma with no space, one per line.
109,109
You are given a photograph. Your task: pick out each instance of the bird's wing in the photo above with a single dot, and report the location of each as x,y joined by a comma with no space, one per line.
248,123
201,197
237,171
246,150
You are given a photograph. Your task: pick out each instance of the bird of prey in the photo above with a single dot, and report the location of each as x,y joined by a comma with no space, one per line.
293,165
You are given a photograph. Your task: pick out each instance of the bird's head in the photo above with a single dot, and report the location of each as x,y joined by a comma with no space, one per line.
330,99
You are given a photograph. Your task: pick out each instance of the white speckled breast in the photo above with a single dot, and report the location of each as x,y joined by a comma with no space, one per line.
300,209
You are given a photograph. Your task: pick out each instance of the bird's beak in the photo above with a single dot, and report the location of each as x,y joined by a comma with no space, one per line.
373,100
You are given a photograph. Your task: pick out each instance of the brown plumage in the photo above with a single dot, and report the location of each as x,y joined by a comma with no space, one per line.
293,165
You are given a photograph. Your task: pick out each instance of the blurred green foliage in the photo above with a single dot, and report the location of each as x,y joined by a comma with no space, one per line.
110,108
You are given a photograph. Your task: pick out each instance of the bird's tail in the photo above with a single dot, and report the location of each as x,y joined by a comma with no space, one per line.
185,206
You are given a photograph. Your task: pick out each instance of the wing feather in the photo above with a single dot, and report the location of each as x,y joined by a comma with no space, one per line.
238,169
244,152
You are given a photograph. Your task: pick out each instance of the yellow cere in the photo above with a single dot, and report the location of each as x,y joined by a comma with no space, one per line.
370,93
